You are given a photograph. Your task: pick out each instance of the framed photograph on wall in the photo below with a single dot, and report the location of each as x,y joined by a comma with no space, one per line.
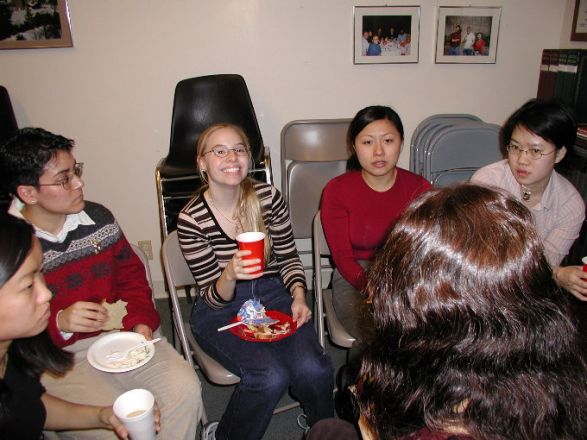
467,35
386,34
32,24
579,30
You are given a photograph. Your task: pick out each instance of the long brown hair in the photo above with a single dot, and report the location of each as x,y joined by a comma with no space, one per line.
248,209
472,331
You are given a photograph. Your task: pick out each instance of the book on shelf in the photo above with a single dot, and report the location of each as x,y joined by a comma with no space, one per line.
563,75
548,72
579,104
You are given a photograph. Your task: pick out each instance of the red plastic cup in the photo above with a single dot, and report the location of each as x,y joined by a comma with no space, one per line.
254,242
584,260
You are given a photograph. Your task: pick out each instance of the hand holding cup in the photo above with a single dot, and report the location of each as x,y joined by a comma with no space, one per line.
137,411
255,243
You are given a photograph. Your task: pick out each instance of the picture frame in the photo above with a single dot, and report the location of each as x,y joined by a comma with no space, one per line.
34,24
579,29
386,34
478,28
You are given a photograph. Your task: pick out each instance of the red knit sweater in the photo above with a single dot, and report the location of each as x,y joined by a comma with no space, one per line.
357,219
94,263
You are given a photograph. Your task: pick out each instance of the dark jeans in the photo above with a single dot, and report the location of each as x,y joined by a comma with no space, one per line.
266,370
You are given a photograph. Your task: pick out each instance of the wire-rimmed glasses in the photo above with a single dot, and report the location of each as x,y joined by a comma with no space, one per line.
67,179
533,153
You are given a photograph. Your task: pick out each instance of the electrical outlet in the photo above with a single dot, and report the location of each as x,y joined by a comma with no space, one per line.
147,248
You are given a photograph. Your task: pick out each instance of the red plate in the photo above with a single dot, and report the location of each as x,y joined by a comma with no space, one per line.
240,330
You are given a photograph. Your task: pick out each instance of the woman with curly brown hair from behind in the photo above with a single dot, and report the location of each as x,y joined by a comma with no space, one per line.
474,336
474,339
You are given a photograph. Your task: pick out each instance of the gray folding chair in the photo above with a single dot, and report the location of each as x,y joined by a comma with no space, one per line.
324,307
427,129
178,275
462,146
312,152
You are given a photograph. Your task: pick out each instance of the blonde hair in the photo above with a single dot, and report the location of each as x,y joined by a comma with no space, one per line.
248,208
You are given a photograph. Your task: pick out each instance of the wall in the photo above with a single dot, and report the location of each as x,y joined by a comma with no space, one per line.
112,92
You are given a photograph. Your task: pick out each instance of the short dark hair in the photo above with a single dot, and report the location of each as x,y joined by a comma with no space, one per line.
363,118
24,156
471,329
552,120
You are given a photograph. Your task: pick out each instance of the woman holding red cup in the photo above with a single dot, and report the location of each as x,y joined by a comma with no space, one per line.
231,203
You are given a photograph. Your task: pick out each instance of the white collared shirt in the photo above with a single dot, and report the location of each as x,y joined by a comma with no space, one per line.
72,221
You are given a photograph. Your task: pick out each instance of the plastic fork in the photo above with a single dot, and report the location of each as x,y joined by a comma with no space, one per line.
119,355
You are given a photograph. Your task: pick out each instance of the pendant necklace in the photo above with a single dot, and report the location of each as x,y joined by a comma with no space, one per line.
526,193
235,222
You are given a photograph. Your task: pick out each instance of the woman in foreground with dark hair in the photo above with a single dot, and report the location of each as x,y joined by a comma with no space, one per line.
26,350
473,335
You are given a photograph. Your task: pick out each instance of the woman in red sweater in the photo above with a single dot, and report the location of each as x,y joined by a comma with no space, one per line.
360,207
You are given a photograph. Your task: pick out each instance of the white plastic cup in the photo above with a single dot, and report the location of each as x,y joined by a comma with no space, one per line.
135,409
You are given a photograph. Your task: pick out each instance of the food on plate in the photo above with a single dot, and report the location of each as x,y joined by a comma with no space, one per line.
267,331
134,357
116,312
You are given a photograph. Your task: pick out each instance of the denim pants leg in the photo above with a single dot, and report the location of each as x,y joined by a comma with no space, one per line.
266,370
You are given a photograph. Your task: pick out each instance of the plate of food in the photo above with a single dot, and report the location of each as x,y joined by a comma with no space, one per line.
100,352
281,327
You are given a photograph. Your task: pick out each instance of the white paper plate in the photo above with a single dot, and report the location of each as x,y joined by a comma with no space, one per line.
117,342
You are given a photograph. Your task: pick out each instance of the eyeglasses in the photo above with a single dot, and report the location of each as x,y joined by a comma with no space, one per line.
533,153
222,151
66,181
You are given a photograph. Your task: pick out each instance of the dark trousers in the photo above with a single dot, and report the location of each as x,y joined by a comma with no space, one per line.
266,370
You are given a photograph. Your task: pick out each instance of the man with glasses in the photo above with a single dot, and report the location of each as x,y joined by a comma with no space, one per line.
87,261
537,136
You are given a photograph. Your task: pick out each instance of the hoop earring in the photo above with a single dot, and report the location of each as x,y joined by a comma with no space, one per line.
203,176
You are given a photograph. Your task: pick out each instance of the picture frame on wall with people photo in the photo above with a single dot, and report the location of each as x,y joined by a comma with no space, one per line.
467,35
579,29
33,24
386,34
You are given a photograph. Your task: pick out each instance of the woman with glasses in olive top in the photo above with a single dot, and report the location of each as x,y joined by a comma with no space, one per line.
537,136
230,203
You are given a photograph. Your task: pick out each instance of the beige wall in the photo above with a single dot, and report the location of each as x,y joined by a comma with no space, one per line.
113,90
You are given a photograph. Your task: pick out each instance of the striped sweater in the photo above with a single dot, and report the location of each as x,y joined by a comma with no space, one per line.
207,249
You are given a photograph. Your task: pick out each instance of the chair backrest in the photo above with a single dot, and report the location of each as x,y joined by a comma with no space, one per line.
145,262
306,180
462,146
8,125
313,140
203,101
427,129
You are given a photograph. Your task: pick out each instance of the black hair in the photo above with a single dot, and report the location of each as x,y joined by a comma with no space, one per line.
23,157
552,120
471,329
35,354
363,118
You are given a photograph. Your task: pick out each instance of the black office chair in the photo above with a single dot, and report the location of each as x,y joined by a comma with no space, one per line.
8,127
198,103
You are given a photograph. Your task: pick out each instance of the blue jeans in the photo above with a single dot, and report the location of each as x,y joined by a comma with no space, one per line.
266,370
454,50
